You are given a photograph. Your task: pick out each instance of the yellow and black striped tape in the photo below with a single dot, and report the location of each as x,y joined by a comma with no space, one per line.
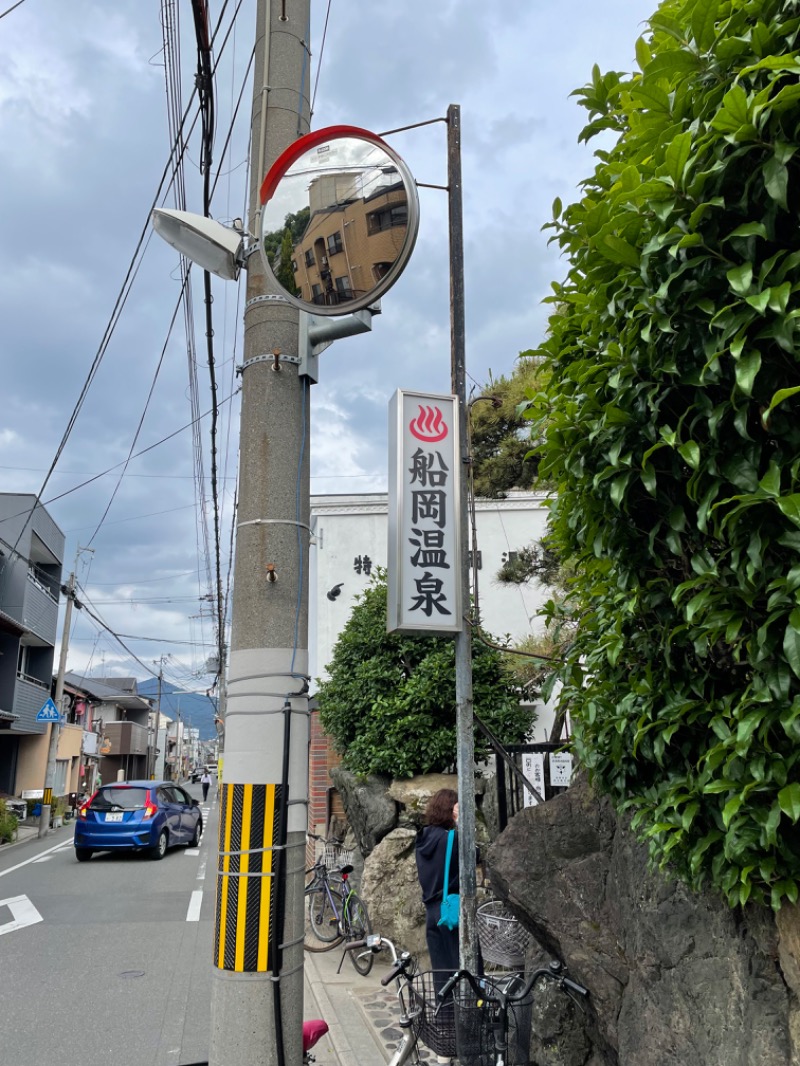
47,798
248,830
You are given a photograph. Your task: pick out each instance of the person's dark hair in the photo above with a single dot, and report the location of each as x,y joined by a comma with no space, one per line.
440,808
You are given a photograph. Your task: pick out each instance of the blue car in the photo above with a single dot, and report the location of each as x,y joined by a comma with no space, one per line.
137,815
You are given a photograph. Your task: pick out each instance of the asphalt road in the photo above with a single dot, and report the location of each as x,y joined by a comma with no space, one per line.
106,962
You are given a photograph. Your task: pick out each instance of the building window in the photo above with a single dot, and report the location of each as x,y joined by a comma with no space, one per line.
380,270
309,258
60,780
388,218
334,243
294,266
343,289
316,293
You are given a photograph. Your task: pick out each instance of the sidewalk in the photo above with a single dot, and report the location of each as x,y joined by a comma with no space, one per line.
361,1015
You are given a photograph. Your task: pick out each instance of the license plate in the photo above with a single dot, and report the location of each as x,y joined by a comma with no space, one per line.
114,817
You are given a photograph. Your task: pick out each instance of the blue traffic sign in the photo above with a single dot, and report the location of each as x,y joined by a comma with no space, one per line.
48,713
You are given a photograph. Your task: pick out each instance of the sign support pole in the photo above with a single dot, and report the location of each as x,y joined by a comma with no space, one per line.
468,942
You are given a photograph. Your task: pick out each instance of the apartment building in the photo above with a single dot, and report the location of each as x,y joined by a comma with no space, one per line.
31,561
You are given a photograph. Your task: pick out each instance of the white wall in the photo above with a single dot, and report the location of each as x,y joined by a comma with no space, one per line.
346,527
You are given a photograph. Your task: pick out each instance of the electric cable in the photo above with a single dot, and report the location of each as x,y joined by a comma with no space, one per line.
321,54
10,9
142,417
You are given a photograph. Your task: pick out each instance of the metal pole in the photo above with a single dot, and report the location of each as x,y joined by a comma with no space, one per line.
257,986
55,728
464,723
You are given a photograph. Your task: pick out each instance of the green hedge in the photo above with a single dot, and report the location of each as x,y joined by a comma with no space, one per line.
672,426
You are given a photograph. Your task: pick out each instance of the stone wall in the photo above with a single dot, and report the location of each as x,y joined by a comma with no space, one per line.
674,977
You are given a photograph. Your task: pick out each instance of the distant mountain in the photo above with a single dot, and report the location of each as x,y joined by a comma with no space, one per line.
195,709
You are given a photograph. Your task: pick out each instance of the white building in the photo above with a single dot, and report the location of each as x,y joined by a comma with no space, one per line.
350,539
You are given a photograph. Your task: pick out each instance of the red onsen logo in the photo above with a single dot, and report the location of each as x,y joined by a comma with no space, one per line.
428,426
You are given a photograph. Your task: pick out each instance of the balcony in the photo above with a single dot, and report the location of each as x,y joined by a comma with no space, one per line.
39,610
126,738
30,695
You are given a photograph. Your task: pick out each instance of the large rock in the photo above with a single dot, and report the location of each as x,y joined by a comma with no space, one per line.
412,795
391,891
371,811
675,977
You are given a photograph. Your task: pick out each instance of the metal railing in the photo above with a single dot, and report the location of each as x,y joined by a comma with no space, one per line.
515,790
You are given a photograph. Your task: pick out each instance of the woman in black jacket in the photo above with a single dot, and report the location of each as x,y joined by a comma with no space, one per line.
441,815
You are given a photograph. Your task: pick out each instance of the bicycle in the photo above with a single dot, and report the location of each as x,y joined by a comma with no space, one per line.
403,973
335,913
484,1036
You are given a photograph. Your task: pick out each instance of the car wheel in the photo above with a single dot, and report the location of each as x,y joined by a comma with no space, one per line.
198,832
83,854
160,850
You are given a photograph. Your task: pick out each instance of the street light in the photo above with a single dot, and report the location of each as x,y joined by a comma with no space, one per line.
212,246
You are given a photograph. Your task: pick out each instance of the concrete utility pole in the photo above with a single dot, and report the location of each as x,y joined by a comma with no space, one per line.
55,728
465,727
257,991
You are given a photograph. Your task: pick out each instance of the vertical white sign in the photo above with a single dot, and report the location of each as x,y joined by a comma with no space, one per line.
560,769
533,769
424,572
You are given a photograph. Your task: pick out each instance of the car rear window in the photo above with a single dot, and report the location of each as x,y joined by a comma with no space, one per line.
128,799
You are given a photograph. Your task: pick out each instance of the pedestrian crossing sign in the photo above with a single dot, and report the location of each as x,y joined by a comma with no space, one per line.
48,713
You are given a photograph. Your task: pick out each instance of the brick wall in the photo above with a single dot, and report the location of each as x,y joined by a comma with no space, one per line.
322,758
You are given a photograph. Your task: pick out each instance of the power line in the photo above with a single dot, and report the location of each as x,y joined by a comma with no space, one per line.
10,9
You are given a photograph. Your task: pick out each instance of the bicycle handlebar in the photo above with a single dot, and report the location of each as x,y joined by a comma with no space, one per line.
493,994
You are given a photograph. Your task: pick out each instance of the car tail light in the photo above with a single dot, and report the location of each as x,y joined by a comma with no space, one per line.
84,807
150,810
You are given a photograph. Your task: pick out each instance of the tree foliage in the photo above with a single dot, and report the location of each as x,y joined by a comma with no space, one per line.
389,703
296,223
500,437
673,441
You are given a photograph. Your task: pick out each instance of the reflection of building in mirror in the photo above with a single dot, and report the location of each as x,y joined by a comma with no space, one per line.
355,233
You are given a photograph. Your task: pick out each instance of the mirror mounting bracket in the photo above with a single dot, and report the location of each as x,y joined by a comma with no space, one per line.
273,358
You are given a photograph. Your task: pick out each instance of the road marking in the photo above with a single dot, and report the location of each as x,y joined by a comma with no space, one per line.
201,871
193,914
192,851
23,913
33,858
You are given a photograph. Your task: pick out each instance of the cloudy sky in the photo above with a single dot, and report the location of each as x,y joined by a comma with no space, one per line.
84,140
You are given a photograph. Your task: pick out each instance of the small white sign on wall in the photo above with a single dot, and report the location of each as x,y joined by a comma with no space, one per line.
560,769
533,769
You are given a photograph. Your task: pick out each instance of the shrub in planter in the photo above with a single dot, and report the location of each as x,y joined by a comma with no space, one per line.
8,824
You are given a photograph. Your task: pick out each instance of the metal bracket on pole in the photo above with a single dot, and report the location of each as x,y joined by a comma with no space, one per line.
318,332
273,358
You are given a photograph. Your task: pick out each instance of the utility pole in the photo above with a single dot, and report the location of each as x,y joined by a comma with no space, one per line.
465,727
257,991
55,728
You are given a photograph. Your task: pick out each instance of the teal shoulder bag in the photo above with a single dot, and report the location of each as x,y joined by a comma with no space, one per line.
450,900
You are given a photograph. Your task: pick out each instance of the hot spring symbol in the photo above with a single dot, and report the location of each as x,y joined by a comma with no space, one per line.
429,426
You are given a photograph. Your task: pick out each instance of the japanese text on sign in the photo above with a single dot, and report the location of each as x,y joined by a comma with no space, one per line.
424,541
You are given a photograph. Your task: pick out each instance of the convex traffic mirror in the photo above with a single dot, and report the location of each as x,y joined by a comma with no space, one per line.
339,219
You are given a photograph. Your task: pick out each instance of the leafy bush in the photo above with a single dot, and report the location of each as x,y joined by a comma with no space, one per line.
8,823
673,439
390,701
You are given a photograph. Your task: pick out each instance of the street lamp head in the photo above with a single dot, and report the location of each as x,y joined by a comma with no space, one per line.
207,243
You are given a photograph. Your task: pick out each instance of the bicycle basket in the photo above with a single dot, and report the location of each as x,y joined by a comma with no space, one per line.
335,856
435,1031
475,1033
502,937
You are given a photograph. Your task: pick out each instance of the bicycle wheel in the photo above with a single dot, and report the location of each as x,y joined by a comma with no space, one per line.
322,926
357,926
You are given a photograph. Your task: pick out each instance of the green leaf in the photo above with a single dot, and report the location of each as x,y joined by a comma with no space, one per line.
643,53
781,395
733,113
749,229
747,367
790,506
690,453
740,278
677,156
704,17
668,64
776,180
618,250
791,641
789,800
731,808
